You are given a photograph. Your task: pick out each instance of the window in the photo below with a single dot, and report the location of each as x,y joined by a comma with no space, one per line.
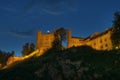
100,41
94,44
46,39
101,47
106,45
105,39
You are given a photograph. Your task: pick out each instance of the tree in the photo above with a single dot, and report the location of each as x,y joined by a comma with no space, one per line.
116,31
116,22
12,53
4,57
27,49
32,48
60,36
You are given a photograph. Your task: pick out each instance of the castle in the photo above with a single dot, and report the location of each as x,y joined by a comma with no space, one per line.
98,41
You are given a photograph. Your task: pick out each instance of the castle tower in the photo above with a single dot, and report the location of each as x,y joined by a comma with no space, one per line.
69,37
38,41
44,41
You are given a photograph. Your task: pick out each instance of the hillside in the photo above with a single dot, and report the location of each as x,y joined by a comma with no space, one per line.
76,63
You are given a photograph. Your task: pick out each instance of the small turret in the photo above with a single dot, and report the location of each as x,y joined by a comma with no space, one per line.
69,37
38,40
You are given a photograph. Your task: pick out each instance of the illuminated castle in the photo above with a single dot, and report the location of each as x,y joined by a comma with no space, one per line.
98,41
44,41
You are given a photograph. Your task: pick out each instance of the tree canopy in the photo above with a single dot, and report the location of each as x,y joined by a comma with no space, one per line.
116,22
60,36
4,57
116,30
28,48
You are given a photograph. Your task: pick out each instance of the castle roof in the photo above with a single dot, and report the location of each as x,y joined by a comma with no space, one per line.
91,37
77,37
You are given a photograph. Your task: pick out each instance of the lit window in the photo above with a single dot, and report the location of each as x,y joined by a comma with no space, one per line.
94,44
105,39
101,47
106,45
100,41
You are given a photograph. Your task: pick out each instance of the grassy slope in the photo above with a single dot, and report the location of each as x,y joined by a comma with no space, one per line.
84,61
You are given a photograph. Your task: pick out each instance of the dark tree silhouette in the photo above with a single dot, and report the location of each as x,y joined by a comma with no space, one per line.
116,30
31,48
27,49
116,22
60,36
4,57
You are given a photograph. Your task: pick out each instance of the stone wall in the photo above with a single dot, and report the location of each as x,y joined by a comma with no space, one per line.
13,59
44,41
98,41
101,41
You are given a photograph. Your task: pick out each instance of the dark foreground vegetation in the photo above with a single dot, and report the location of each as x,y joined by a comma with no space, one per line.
76,63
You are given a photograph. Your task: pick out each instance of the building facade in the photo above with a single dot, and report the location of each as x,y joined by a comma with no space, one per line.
44,41
74,41
98,41
101,41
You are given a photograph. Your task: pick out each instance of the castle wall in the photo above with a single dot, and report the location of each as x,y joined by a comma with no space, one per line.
102,42
69,32
44,41
97,41
13,59
39,39
74,41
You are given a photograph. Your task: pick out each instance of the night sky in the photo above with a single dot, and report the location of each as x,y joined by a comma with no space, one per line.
21,19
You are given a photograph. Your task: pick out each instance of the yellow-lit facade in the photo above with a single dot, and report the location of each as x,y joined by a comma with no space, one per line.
98,41
44,41
74,41
101,41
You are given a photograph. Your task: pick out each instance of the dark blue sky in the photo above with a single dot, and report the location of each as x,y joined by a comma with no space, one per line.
21,19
